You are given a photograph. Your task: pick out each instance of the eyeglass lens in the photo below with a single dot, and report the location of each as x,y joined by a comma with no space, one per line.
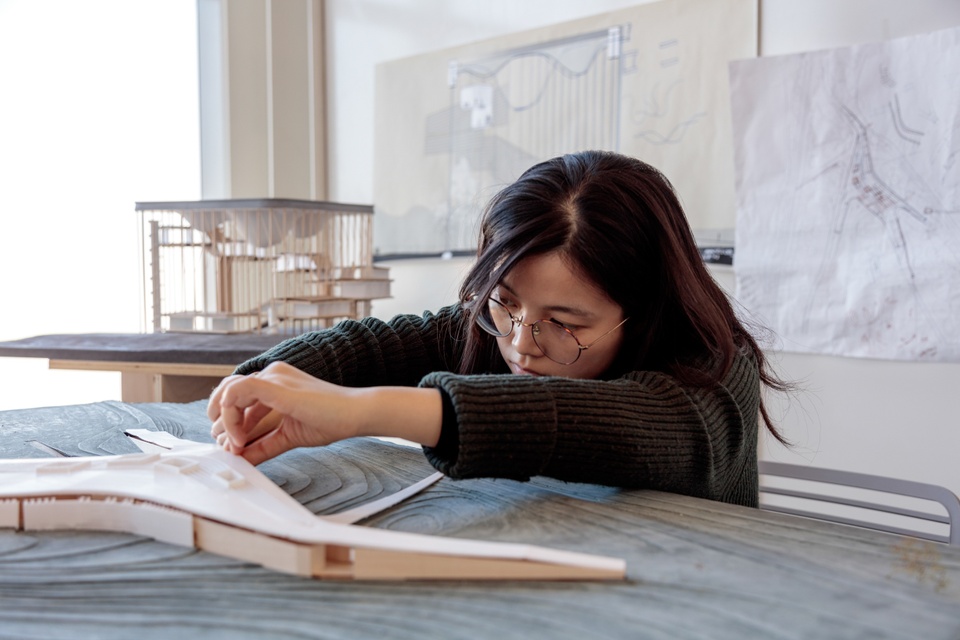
555,341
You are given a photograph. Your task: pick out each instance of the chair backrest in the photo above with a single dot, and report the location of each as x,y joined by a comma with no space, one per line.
819,489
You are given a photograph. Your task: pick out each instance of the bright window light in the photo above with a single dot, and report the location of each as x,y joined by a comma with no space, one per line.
98,110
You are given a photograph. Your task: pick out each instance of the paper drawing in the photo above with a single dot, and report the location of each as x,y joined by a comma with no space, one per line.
648,81
848,187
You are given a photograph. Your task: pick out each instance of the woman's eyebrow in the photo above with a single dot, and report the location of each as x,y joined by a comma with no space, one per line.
504,285
559,308
573,311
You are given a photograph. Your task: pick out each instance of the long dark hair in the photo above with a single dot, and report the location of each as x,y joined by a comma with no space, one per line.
618,222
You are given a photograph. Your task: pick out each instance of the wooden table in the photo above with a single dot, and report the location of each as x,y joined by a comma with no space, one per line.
696,569
154,367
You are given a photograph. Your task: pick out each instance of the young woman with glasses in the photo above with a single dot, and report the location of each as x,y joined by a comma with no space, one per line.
590,344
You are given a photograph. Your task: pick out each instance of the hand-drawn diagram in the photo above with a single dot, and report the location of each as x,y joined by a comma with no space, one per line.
656,117
873,194
509,109
648,81
541,101
849,197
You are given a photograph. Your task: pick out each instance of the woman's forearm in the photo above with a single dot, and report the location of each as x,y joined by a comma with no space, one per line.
410,413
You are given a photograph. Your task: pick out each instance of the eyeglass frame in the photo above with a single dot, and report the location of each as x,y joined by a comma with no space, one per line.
535,331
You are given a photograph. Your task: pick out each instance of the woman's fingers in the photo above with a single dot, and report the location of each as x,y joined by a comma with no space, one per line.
280,408
231,419
266,447
213,405
254,420
246,410
252,415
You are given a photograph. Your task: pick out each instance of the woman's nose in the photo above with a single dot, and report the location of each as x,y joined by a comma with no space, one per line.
523,340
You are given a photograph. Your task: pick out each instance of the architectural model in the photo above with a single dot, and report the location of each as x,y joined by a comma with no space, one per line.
197,495
257,265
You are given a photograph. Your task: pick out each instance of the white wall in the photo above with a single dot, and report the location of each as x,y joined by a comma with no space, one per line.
793,26
421,284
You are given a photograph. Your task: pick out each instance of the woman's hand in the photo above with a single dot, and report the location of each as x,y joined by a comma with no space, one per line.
262,415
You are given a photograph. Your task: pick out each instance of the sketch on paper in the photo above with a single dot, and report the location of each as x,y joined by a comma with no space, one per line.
848,187
508,109
662,117
513,108
453,127
197,495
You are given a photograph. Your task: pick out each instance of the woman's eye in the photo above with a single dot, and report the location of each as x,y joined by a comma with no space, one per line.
566,325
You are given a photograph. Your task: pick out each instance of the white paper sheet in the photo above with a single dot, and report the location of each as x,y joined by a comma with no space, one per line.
848,197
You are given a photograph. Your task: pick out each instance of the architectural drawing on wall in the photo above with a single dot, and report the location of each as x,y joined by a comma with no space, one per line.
865,191
849,197
512,108
455,126
655,114
197,495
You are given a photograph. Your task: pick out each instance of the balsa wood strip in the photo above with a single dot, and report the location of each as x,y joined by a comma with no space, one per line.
175,369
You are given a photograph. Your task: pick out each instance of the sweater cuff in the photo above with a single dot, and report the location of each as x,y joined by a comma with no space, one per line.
449,443
504,430
323,356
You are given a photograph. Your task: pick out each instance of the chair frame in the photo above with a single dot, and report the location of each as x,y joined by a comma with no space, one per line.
931,492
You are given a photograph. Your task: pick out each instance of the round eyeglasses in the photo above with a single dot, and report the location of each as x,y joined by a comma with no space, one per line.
554,340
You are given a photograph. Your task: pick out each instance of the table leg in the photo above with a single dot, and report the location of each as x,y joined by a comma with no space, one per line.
157,387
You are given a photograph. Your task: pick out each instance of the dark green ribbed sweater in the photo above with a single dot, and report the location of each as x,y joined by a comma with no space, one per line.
642,430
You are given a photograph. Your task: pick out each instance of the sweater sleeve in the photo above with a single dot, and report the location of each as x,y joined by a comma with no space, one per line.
644,430
369,352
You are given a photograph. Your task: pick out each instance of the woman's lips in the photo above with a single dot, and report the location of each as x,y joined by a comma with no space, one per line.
520,371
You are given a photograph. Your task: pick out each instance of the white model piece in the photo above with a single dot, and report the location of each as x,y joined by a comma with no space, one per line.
197,495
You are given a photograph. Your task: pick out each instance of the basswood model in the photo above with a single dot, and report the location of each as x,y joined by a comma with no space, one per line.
197,495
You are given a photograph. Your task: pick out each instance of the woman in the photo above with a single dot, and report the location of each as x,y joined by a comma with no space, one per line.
590,344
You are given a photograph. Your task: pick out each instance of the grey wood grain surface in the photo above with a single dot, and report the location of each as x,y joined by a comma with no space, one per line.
696,569
189,348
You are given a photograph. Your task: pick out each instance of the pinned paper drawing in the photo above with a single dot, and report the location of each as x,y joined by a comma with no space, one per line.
848,197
